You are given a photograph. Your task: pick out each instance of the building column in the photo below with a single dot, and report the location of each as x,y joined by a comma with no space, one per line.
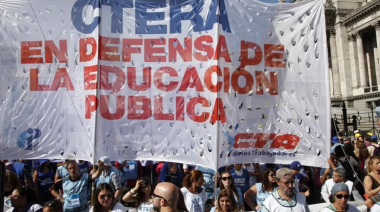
354,60
361,61
377,55
334,65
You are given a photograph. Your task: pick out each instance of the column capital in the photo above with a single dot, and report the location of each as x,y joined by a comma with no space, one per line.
352,37
376,25
332,33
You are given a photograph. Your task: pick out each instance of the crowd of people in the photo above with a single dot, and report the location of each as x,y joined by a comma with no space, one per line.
143,186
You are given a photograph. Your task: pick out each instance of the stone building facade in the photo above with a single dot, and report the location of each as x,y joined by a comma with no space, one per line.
353,32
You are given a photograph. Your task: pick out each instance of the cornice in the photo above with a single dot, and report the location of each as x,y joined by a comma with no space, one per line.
362,11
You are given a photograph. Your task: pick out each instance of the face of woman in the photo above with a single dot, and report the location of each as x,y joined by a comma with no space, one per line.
8,187
341,198
271,177
376,164
16,199
146,189
225,203
200,181
226,180
105,198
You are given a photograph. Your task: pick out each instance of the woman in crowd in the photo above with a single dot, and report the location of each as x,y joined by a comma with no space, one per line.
53,206
363,158
360,143
24,199
339,198
141,194
226,202
104,200
11,182
261,190
228,183
43,179
372,180
194,195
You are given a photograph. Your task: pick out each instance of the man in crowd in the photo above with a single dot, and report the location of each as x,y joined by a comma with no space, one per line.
75,187
241,178
374,148
339,175
165,197
111,175
284,196
326,174
300,179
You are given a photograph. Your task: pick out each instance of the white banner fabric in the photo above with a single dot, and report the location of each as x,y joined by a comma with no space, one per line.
202,82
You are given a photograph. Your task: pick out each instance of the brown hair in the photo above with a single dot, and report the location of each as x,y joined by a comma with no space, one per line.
232,186
12,178
370,163
194,175
227,193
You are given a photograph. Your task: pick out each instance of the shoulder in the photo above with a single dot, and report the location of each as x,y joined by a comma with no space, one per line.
300,198
184,190
35,207
326,210
118,207
349,183
355,209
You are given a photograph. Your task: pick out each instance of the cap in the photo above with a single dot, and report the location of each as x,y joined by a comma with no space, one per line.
118,163
374,138
335,140
339,187
106,160
356,131
281,173
43,161
296,165
357,135
370,134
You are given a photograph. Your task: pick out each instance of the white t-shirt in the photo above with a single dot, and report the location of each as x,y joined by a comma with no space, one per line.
33,208
7,204
145,207
194,202
351,208
116,208
375,208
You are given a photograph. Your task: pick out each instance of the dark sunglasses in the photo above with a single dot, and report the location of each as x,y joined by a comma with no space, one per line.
226,178
109,196
155,195
340,196
272,175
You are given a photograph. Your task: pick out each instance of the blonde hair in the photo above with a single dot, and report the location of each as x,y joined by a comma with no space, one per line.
370,163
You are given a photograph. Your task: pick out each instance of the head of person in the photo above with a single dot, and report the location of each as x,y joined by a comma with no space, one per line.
226,201
11,182
374,139
363,153
367,141
103,196
357,135
146,188
195,177
73,168
285,181
335,140
339,152
165,195
44,163
238,167
23,196
268,178
107,162
53,206
373,164
339,194
346,140
340,135
296,167
361,138
339,175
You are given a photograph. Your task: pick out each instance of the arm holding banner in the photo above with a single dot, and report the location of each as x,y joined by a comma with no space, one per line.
99,171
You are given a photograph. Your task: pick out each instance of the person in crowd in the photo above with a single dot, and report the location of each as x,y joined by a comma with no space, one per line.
208,186
350,150
363,158
374,148
61,172
227,182
261,190
339,198
340,136
167,198
335,142
300,178
187,168
141,195
339,177
11,182
241,178
104,200
24,199
367,141
253,169
84,166
43,179
349,164
23,172
75,187
358,145
171,172
326,174
285,196
111,175
346,140
372,180
53,206
131,171
226,202
193,193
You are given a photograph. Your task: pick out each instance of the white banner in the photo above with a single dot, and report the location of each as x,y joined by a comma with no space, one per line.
197,81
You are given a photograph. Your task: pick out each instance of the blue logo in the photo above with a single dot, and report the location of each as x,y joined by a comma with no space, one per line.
26,138
230,140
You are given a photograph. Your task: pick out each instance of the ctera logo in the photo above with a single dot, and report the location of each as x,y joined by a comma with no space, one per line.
26,138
